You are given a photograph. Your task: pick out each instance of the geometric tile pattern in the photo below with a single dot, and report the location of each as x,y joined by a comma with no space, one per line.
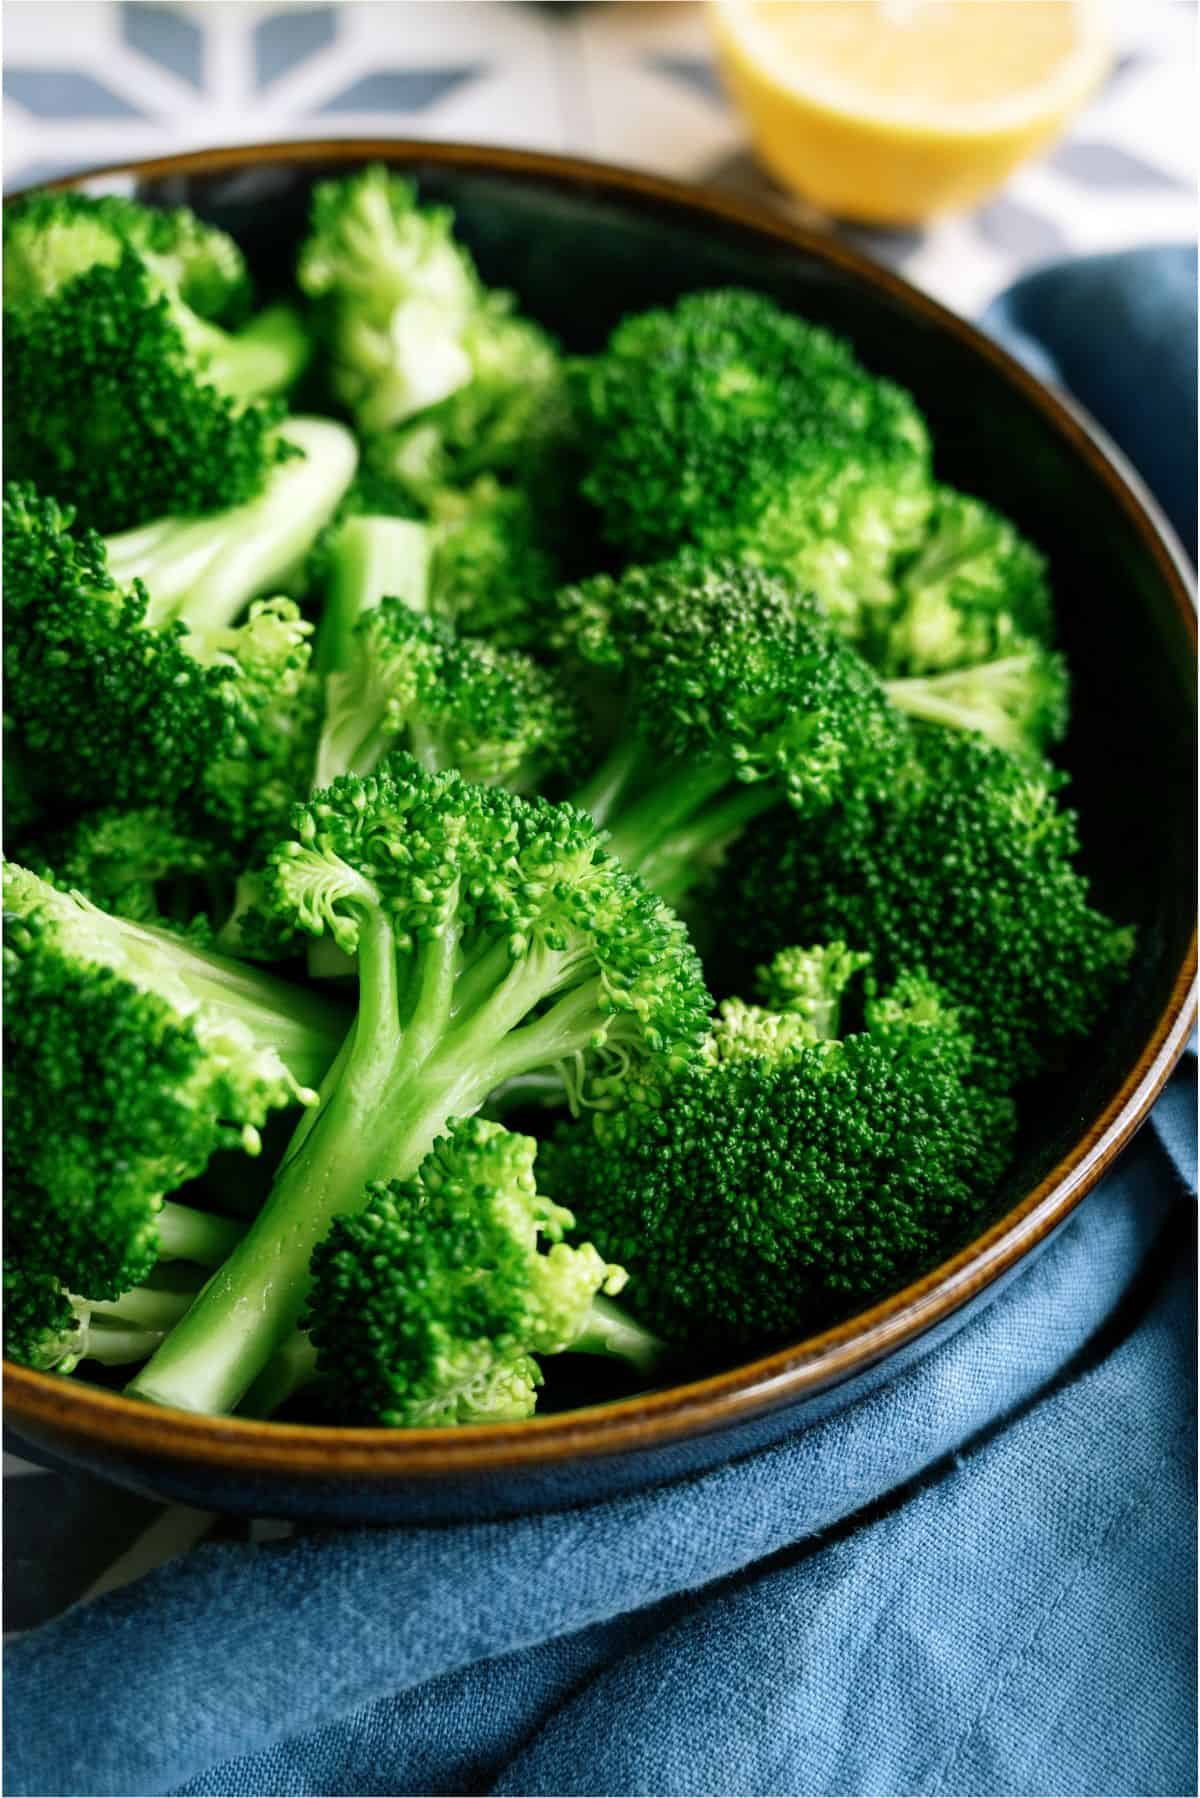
90,81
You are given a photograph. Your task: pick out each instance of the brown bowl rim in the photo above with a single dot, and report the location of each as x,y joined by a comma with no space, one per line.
82,1413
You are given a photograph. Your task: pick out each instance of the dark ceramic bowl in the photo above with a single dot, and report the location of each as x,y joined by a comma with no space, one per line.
581,245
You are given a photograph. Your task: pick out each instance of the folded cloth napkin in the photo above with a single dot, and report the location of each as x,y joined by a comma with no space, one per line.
977,1580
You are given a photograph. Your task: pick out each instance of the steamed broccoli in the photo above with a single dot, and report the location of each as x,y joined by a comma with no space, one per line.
493,572
737,694
974,591
431,1305
50,1327
732,426
437,371
493,936
792,1174
145,865
1018,701
395,679
967,869
120,388
134,643
132,1055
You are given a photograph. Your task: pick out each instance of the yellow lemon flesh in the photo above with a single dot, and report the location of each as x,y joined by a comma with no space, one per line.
890,110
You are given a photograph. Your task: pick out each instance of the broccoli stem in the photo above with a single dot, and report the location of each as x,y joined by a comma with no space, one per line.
669,825
304,1027
415,1057
203,571
610,1330
144,1308
185,1234
292,1367
117,1345
267,356
374,559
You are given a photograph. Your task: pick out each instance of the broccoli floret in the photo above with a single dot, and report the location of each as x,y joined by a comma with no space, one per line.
436,370
49,238
737,694
968,870
802,992
145,865
764,1194
493,936
499,716
394,679
1018,701
974,591
132,1055
51,1328
133,642
118,389
480,561
431,1306
730,425
493,572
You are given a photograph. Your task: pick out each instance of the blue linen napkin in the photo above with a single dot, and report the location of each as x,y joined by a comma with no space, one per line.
980,1579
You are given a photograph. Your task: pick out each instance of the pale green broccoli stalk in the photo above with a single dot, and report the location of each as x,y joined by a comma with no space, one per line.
1018,701
493,937
729,425
120,388
974,591
202,571
431,1306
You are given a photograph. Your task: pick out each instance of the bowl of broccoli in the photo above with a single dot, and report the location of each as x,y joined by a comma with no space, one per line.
599,826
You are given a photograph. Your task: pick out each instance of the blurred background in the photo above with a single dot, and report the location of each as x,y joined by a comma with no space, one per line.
91,81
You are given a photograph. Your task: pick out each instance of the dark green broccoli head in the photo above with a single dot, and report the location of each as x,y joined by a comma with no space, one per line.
145,864
967,870
428,1307
762,1196
74,641
973,591
41,1325
50,238
218,726
727,663
497,715
118,390
493,573
123,1076
729,424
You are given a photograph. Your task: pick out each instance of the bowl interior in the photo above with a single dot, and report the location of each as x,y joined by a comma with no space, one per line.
581,255
580,258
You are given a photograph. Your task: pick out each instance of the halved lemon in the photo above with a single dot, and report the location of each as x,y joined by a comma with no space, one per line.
890,110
